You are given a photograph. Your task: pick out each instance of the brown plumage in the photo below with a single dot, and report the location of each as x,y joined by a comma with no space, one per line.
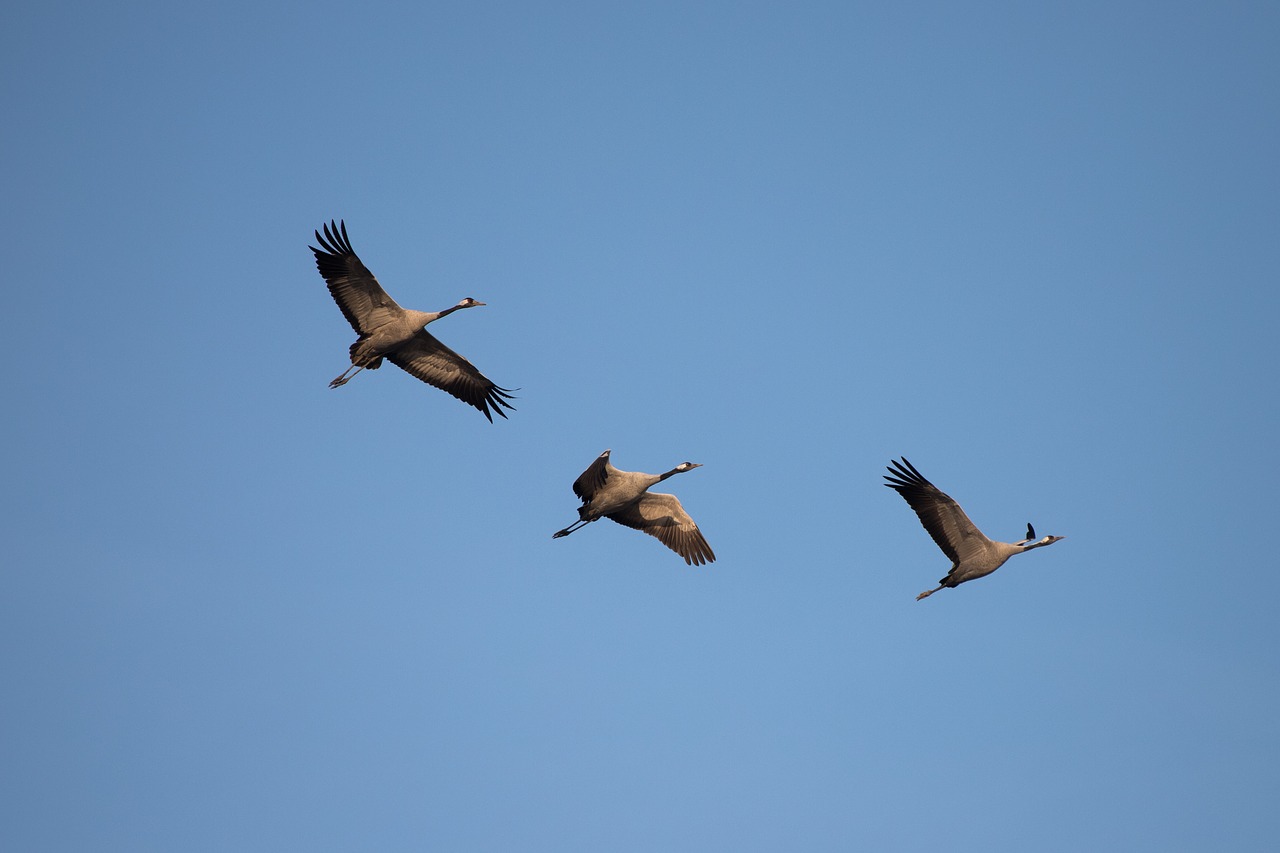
388,331
624,496
972,554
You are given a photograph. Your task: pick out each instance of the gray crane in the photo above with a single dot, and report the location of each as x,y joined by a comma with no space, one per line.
388,331
972,554
624,496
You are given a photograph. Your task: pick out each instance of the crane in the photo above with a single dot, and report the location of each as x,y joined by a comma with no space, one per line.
388,331
624,496
972,554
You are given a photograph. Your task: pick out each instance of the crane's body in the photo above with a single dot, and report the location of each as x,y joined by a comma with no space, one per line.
624,497
972,554
397,334
389,332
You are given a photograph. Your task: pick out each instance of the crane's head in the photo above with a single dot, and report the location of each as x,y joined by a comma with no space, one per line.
1048,540
680,469
469,303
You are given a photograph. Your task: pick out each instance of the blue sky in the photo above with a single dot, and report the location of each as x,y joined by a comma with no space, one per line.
1031,247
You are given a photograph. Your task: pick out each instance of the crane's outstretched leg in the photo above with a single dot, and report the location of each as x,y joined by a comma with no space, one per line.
344,378
927,593
572,527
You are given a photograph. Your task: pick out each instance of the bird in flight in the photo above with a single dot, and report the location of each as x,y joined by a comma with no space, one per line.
972,554
397,334
624,496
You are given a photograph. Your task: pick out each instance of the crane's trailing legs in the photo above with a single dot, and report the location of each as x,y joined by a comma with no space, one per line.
344,378
927,593
582,522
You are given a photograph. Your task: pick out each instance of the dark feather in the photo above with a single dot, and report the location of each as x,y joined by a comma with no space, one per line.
593,479
435,364
351,284
939,514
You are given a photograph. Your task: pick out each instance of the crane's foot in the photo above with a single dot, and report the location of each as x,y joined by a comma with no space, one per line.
927,593
560,533
348,375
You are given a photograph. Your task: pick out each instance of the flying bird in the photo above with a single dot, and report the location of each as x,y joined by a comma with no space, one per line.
624,496
972,554
388,331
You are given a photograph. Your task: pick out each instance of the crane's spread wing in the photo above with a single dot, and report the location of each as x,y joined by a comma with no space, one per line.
363,301
593,479
946,522
435,364
663,517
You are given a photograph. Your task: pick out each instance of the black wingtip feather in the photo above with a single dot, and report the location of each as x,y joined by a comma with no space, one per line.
334,240
904,475
497,398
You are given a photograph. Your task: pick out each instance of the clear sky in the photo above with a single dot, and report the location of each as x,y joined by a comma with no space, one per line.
1030,246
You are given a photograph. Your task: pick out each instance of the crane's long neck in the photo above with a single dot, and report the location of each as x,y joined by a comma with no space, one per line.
422,318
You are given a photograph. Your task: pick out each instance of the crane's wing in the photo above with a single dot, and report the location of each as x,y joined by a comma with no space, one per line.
946,522
363,301
592,480
435,364
663,517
